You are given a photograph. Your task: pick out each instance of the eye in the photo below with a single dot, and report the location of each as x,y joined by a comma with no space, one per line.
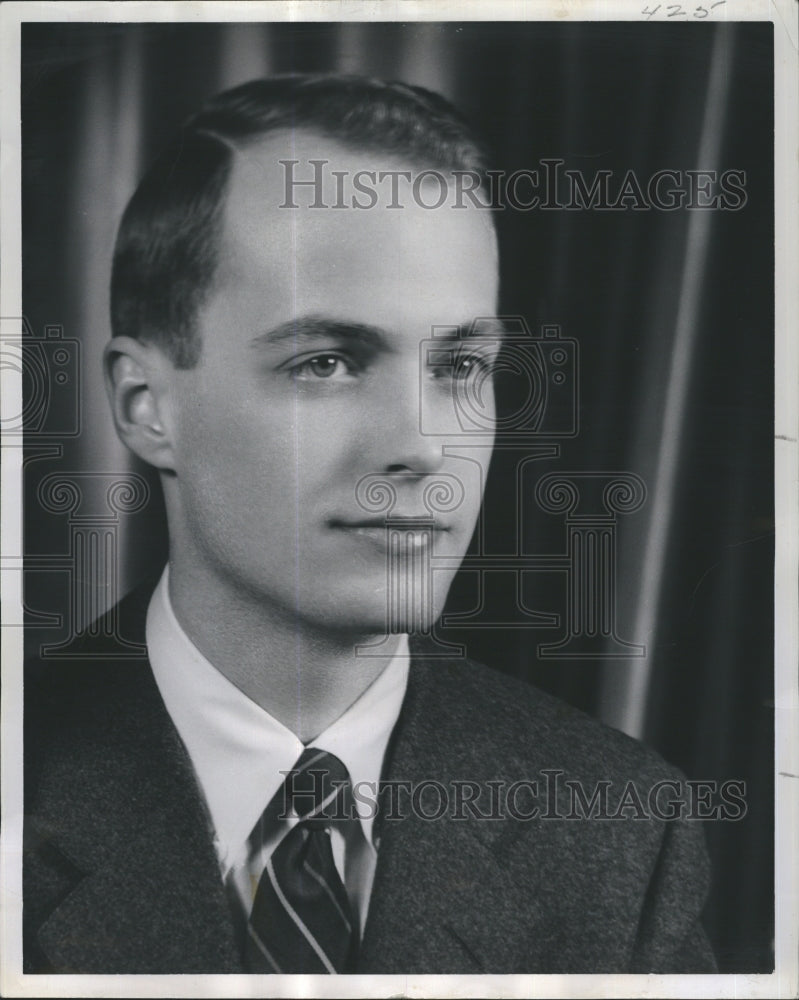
321,366
462,366
469,366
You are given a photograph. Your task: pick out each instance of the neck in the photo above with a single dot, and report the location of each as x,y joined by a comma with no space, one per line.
305,677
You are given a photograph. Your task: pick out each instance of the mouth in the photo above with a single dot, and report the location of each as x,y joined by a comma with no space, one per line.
411,531
398,522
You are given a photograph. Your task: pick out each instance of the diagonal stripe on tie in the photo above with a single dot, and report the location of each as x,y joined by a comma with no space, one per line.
329,892
301,920
272,964
298,921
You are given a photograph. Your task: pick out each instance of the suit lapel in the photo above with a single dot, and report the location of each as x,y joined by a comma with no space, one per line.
155,905
124,808
443,895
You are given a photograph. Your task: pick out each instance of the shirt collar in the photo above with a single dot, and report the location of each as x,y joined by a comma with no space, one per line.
238,750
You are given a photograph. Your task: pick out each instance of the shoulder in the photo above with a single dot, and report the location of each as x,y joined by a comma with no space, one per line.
101,753
98,694
591,824
483,711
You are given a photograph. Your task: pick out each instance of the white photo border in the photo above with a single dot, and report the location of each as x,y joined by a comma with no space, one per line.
785,981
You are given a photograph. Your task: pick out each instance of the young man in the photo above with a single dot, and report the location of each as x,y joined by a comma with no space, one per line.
211,808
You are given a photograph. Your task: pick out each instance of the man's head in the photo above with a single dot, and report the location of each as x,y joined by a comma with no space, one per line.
268,359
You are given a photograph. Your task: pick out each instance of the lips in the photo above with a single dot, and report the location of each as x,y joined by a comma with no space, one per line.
397,522
414,534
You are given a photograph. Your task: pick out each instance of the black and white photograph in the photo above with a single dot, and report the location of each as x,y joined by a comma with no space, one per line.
399,483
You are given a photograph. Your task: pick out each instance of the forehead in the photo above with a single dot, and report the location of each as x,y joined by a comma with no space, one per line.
321,248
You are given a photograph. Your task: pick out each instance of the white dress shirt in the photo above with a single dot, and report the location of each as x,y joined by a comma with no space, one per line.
238,751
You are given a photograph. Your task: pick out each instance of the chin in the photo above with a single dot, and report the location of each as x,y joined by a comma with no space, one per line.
373,613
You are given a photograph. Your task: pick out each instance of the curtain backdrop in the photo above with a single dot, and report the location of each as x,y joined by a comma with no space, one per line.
672,312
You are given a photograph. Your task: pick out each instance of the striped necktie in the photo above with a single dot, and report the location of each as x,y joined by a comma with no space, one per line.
301,919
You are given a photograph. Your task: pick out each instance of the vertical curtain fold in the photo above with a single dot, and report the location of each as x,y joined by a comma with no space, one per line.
623,700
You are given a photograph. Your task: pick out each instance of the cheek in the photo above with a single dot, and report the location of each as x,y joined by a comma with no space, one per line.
216,461
234,457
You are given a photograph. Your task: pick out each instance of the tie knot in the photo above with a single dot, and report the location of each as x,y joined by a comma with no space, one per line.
316,786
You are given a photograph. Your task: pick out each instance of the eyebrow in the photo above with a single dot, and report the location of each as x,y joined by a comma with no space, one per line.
314,327
306,328
479,327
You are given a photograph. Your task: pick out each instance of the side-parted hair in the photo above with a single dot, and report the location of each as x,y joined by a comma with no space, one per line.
167,245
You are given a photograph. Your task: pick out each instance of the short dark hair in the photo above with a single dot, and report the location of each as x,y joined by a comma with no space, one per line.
166,250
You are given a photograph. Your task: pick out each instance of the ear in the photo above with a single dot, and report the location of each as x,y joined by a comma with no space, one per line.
137,382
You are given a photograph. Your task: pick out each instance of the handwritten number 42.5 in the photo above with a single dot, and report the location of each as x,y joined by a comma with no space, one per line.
677,10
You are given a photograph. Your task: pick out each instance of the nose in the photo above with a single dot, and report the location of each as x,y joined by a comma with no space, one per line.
403,444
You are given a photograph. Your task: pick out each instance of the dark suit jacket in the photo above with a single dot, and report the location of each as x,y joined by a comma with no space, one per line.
121,875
